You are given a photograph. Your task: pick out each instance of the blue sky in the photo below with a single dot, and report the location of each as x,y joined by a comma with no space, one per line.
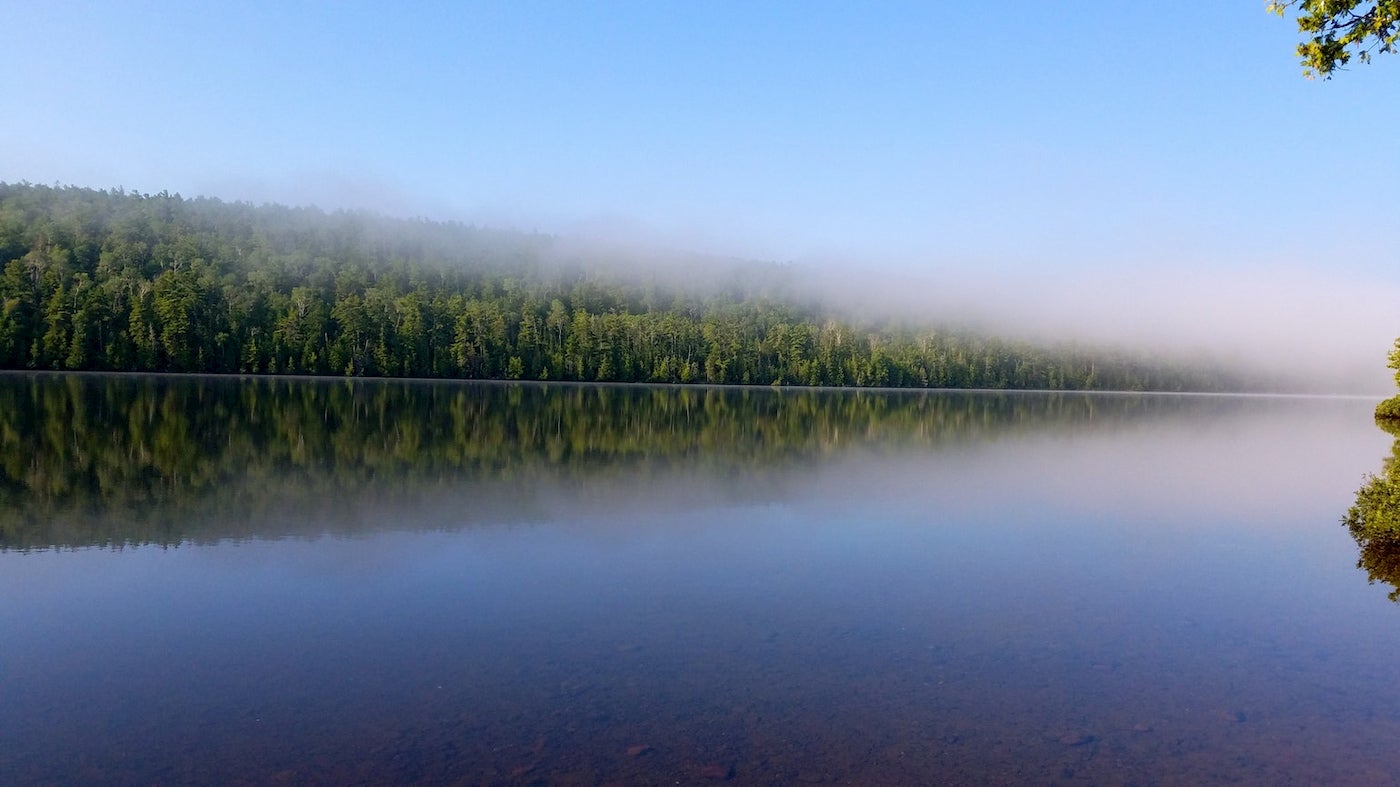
1031,138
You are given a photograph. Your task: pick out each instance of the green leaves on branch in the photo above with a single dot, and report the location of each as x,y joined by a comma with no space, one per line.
1338,29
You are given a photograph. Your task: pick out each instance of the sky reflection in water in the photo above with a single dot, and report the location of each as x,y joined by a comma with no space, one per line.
892,588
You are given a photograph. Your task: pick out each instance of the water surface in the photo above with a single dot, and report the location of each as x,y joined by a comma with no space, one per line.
300,581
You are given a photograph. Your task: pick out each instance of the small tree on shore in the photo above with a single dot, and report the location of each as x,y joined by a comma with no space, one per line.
1390,408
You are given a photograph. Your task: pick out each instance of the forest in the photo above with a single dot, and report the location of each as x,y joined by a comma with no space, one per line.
116,281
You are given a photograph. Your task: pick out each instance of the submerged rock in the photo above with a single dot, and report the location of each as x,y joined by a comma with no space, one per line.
717,771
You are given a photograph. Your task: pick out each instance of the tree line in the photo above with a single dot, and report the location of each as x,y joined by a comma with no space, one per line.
110,280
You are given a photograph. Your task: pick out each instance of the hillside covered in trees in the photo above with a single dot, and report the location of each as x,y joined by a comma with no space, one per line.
111,280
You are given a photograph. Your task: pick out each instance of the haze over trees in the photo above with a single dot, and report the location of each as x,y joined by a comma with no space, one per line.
110,280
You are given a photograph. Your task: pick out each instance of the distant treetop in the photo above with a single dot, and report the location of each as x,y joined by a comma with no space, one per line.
1333,26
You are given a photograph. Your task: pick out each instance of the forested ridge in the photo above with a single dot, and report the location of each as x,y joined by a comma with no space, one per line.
111,280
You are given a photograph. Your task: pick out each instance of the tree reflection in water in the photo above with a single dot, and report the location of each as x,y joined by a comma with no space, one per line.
1374,520
94,460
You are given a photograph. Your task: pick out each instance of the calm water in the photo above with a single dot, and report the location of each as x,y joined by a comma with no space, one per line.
308,582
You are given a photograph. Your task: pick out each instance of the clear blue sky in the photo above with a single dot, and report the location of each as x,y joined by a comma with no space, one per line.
1152,172
1008,134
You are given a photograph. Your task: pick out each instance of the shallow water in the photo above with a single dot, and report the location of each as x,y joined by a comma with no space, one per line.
293,581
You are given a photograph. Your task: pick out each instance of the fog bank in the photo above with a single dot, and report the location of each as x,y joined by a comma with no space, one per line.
1315,332
1311,331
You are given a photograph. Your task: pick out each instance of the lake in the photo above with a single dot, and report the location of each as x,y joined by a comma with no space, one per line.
289,581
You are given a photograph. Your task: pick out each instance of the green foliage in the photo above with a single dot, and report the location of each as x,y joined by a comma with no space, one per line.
1376,514
1334,26
1374,519
97,280
1389,409
1393,360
